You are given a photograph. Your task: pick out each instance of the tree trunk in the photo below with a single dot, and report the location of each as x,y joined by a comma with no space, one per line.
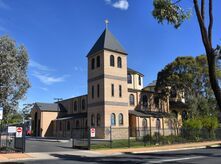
207,42
213,78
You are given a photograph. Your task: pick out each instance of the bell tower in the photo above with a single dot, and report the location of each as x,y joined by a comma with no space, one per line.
107,85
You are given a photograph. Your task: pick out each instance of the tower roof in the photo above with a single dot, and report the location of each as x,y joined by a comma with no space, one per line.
106,42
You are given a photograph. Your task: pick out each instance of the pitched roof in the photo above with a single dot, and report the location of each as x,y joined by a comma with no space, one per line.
134,72
52,107
106,41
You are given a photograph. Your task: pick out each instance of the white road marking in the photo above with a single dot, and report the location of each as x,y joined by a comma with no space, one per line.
175,159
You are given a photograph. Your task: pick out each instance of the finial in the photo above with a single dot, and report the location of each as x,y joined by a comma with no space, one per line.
106,22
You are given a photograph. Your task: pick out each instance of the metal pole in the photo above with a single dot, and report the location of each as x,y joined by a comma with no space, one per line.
128,136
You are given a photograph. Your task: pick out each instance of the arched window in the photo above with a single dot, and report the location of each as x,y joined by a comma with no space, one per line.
175,114
184,115
129,78
170,124
98,61
75,106
92,120
98,119
83,104
119,62
77,124
68,125
144,100
113,119
112,60
144,123
131,99
92,63
121,119
139,80
158,126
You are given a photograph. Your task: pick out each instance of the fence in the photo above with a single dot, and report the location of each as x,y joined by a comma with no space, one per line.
9,142
111,137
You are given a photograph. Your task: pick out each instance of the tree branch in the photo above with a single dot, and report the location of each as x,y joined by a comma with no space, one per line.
203,9
210,21
203,29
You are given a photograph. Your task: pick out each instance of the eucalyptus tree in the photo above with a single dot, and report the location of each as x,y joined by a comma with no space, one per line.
174,13
13,75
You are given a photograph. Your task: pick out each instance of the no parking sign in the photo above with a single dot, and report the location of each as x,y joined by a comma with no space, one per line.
19,132
92,132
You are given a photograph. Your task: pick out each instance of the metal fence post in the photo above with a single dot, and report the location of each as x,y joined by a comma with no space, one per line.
89,138
128,136
111,137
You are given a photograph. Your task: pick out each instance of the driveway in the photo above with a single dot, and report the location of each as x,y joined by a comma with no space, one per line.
47,145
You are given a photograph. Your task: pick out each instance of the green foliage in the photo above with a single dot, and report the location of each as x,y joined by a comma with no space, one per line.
210,123
193,124
13,75
167,10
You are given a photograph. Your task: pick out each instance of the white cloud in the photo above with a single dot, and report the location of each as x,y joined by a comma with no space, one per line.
44,74
119,4
39,66
48,79
3,5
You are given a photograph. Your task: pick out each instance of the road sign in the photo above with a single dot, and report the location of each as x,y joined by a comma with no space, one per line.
1,113
19,132
92,132
12,129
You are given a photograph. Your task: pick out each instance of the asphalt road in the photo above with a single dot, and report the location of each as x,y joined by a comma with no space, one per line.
197,156
46,145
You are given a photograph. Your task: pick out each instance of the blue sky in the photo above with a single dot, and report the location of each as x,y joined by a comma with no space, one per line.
58,35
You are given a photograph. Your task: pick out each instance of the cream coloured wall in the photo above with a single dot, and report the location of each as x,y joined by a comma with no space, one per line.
46,123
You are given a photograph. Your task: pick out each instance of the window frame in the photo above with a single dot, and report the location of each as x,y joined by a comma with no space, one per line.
92,120
92,63
139,80
119,62
75,106
98,119
112,90
112,61
121,119
98,61
120,90
129,78
132,99
92,92
113,119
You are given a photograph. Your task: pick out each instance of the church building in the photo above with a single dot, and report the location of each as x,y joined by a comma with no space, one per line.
115,98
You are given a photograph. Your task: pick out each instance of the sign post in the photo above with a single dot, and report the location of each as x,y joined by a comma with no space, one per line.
19,132
92,132
1,113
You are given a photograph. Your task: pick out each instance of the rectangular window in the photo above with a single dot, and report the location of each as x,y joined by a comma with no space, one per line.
120,91
92,63
98,90
92,92
139,80
98,61
112,90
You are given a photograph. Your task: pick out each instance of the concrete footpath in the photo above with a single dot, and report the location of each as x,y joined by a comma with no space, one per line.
105,152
